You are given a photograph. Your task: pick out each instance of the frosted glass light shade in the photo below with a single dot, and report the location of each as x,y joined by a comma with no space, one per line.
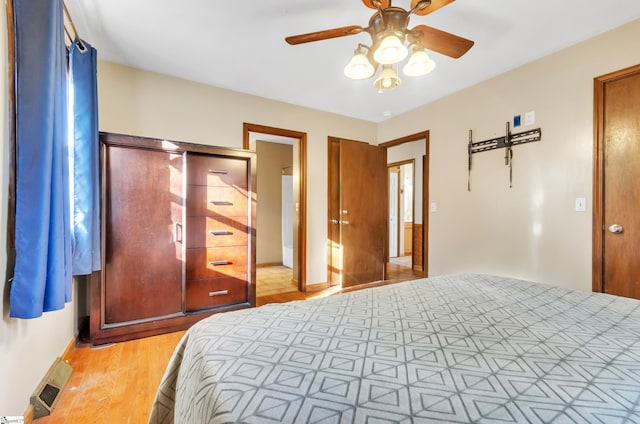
391,50
387,80
419,64
359,67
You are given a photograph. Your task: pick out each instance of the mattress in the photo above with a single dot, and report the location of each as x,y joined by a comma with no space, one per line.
448,349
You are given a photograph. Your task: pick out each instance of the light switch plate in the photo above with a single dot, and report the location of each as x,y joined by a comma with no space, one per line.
581,204
434,207
530,118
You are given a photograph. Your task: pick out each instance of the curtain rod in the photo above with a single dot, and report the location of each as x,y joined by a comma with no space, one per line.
73,27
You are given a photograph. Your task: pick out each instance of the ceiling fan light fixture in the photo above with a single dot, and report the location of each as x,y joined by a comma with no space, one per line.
419,64
359,66
389,30
387,80
391,50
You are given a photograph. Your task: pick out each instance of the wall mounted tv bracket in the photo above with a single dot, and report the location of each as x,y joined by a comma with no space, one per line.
508,141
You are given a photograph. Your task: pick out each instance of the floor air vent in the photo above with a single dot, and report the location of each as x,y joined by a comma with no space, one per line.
48,392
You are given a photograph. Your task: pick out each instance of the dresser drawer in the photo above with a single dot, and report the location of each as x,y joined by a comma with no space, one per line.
215,262
212,292
216,201
217,232
216,171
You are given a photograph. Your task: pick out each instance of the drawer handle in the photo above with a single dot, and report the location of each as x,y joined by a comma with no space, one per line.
220,232
221,202
218,171
218,263
218,293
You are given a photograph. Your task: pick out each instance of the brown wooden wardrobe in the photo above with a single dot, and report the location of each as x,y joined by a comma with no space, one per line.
178,236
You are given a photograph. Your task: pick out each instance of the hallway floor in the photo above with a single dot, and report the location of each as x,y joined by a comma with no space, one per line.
399,269
274,280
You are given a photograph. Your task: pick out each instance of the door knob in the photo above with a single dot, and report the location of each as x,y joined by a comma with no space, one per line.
335,221
615,228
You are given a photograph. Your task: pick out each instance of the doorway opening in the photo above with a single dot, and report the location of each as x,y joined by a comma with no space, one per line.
401,195
281,217
407,197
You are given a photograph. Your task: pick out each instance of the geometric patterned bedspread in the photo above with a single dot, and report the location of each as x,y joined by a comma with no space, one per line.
450,349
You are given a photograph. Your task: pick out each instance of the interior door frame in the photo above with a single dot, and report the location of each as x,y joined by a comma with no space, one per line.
597,268
425,192
302,184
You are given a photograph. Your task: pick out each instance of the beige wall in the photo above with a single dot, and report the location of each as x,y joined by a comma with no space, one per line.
531,230
272,158
27,347
133,101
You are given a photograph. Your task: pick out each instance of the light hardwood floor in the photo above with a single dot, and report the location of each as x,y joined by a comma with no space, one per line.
117,383
273,280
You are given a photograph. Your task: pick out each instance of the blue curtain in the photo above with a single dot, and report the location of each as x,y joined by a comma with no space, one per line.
85,240
42,273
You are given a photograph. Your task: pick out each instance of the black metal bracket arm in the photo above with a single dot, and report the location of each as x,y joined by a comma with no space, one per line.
507,142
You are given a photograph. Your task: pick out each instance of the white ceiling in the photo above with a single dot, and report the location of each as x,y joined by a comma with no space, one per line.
239,45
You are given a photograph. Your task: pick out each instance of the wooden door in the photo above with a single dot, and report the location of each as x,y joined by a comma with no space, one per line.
617,186
362,213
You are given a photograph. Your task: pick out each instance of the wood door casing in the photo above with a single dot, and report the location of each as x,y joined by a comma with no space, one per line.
143,259
363,212
300,194
617,183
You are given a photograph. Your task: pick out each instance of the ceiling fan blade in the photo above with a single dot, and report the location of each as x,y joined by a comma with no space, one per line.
373,4
324,35
435,5
440,41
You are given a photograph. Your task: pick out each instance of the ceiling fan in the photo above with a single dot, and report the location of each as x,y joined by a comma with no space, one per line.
389,30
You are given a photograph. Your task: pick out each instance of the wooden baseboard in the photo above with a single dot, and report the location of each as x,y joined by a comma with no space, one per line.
28,415
268,264
69,349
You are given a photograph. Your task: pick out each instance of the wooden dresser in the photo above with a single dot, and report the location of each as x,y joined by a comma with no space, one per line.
178,236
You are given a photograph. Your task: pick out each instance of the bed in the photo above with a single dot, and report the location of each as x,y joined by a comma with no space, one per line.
449,349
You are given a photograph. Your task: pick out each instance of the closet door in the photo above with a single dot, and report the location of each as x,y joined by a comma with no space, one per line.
143,256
